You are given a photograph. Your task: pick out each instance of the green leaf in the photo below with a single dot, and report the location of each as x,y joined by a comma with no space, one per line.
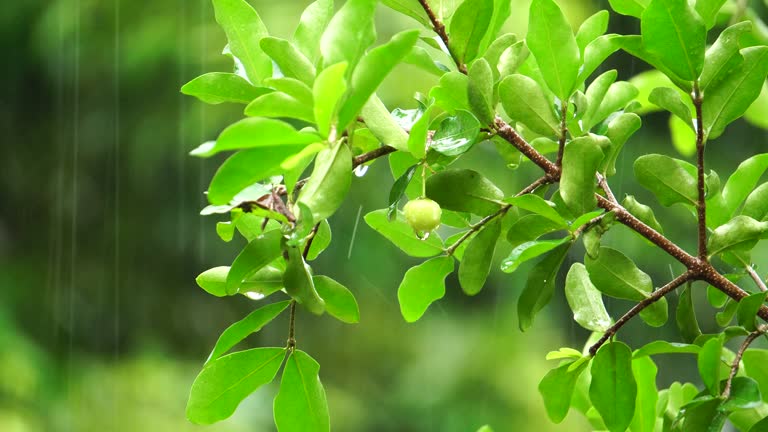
595,95
551,41
557,388
524,101
716,298
664,347
299,284
372,70
401,235
633,8
512,58
480,90
741,233
279,104
756,205
464,191
349,33
468,27
757,113
257,133
252,323
530,227
339,301
330,181
708,9
685,316
293,88
496,49
422,285
645,370
669,99
761,426
642,212
728,99
292,63
381,123
595,54
540,285
620,128
536,204
328,89
683,137
742,182
591,29
674,33
417,138
422,59
667,179
702,415
528,251
214,281
617,276
617,97
258,253
754,366
300,405
581,160
244,30
320,241
585,300
225,382
313,22
745,394
747,310
220,87
613,390
410,8
723,56
456,134
451,93
709,364
398,190
476,260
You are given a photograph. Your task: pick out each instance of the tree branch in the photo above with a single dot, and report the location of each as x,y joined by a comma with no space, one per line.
654,297
756,277
439,28
502,211
506,131
739,355
371,155
701,204
563,135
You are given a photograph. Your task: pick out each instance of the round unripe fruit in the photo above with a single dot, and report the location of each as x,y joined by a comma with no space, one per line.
423,214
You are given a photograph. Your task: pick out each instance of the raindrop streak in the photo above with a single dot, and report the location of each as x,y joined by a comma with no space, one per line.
354,231
361,170
116,210
74,204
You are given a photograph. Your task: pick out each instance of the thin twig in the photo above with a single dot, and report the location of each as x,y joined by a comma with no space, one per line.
603,183
439,28
476,227
506,131
291,344
653,298
701,203
371,155
502,211
756,277
563,134
737,360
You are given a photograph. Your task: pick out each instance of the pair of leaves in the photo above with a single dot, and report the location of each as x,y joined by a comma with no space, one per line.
615,275
300,404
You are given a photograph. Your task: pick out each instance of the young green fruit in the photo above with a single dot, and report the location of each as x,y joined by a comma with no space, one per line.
423,214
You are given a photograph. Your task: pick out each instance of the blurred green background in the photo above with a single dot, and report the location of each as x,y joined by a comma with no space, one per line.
102,327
